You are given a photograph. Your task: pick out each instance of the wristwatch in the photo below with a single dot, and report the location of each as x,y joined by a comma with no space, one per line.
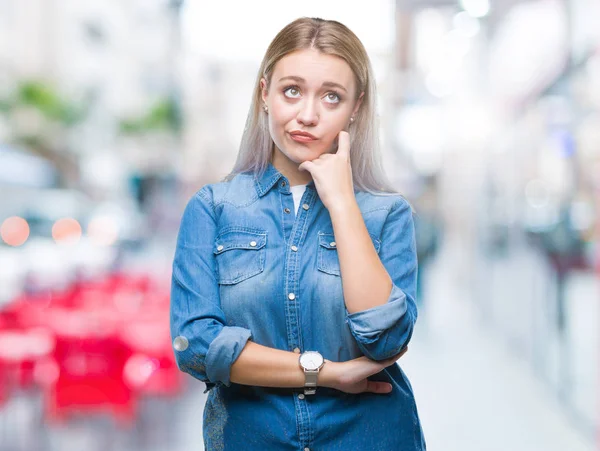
311,362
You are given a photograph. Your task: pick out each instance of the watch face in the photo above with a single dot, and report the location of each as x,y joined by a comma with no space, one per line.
311,360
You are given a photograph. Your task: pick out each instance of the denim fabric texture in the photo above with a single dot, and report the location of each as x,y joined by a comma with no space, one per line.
248,267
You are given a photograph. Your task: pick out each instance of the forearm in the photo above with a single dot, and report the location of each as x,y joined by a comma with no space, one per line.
359,261
269,367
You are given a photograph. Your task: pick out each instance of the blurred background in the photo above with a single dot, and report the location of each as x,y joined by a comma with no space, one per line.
114,112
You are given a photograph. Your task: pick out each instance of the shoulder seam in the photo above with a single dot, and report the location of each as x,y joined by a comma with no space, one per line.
202,194
400,200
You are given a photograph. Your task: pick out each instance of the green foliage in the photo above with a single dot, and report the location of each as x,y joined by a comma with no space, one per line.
44,98
163,116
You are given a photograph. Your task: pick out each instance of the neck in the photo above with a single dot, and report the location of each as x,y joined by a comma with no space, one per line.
290,169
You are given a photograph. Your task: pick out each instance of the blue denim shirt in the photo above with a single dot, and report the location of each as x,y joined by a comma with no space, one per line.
247,267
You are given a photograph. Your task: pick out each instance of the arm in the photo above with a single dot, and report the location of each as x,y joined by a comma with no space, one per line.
358,260
382,313
204,346
269,367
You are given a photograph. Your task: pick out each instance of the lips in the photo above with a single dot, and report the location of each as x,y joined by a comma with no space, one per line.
303,137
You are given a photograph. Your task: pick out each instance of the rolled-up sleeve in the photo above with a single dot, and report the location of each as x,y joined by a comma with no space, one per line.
383,331
204,346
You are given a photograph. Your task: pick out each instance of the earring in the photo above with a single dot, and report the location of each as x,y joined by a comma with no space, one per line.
351,119
266,108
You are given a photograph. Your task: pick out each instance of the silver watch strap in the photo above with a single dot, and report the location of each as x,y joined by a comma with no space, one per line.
310,382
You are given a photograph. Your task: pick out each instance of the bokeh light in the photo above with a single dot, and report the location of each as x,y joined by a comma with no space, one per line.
14,231
66,230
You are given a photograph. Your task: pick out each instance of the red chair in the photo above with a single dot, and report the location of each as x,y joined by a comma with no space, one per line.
90,360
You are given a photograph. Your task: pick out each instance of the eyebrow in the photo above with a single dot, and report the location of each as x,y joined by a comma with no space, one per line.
328,84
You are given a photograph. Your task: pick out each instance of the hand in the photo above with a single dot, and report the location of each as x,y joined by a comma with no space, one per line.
352,375
332,174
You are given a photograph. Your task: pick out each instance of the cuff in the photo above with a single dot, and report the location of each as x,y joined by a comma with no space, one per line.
374,328
223,351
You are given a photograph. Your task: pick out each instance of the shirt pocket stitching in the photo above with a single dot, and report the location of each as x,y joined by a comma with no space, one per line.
327,258
232,250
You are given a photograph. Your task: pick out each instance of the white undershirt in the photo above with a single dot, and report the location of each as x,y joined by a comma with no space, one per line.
297,192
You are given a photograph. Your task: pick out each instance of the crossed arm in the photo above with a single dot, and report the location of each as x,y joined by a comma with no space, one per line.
381,315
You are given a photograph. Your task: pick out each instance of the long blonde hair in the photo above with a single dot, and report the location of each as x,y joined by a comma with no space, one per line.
331,38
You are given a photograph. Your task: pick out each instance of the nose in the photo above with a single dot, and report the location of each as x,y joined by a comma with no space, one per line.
308,114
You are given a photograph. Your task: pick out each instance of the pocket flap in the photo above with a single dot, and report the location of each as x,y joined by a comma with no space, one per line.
327,240
239,239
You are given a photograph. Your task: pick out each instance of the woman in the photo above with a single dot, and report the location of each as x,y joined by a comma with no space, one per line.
293,289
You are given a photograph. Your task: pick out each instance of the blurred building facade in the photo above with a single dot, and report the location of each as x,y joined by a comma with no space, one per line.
116,63
499,101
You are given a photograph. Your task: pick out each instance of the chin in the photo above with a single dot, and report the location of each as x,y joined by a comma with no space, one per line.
297,153
300,157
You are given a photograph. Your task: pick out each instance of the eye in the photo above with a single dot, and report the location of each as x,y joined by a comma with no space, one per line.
293,90
333,96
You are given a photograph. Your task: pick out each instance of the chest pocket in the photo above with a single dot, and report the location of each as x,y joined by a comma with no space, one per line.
240,254
327,256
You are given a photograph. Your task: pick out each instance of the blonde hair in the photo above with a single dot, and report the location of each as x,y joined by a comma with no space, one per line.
331,38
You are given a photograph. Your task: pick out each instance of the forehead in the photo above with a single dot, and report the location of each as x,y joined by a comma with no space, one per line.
315,67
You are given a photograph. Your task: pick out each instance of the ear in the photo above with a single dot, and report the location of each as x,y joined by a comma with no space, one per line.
263,89
358,103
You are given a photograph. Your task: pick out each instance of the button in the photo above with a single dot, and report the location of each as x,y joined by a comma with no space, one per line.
219,247
301,396
282,184
294,248
180,343
297,350
253,243
287,210
305,206
291,296
307,449
332,244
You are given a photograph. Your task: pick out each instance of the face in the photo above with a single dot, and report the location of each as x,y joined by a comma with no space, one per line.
310,92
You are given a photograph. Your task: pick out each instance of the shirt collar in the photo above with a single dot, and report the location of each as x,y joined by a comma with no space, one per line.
269,178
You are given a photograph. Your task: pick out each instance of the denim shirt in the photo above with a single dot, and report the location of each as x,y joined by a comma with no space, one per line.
248,267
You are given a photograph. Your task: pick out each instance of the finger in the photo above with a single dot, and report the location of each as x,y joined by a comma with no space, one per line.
390,362
394,358
307,166
400,354
343,144
378,387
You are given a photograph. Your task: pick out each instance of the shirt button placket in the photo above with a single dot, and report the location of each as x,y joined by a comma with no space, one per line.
293,306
